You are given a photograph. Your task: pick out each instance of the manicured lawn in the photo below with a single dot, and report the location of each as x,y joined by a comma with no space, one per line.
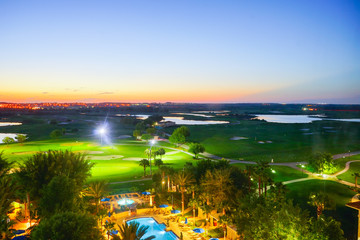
282,173
130,187
288,141
119,162
347,176
341,194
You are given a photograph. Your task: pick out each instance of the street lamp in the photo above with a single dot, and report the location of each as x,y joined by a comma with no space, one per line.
302,169
152,143
101,131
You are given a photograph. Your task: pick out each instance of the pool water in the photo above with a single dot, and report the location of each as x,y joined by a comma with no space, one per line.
125,201
156,229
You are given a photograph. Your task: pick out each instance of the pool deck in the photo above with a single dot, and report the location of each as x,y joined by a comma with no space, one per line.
176,227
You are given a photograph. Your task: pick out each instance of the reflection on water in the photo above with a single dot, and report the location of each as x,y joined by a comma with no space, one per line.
179,120
298,118
4,135
3,124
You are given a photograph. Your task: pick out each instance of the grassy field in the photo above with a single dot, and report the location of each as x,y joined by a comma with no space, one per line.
281,142
341,194
282,173
119,162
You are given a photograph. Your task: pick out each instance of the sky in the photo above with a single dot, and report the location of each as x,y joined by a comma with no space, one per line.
299,51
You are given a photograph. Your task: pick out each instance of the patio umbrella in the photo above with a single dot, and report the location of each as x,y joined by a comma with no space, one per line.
198,230
163,206
175,211
16,232
186,222
114,232
20,238
105,199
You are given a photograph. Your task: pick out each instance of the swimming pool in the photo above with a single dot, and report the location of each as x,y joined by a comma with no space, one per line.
125,201
156,229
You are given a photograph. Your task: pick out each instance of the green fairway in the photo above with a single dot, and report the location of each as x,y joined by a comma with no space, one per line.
119,162
347,176
119,188
281,142
341,194
282,173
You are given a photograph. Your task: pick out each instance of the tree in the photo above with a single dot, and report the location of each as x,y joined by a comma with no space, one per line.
219,187
67,225
356,175
38,171
109,227
321,201
161,152
158,162
263,218
5,165
184,131
8,140
7,196
179,135
144,163
322,162
20,138
196,148
177,138
57,133
326,228
133,231
137,134
58,196
183,179
140,126
151,131
146,137
97,189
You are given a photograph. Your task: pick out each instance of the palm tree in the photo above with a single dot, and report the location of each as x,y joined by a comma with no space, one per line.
321,201
133,231
193,202
144,163
5,165
7,196
183,179
97,190
109,227
262,173
219,186
161,152
356,175
38,171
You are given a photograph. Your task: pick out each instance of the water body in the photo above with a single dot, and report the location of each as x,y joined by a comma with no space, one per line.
298,118
287,118
3,124
179,120
4,135
182,121
156,229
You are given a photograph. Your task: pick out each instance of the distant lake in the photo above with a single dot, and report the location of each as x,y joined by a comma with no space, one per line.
180,120
297,118
4,135
3,124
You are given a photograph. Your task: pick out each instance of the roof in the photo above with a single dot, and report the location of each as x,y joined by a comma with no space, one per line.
354,205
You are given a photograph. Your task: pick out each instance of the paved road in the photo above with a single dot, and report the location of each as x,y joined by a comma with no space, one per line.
293,165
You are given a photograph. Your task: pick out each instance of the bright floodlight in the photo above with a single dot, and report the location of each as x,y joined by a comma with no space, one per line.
102,130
